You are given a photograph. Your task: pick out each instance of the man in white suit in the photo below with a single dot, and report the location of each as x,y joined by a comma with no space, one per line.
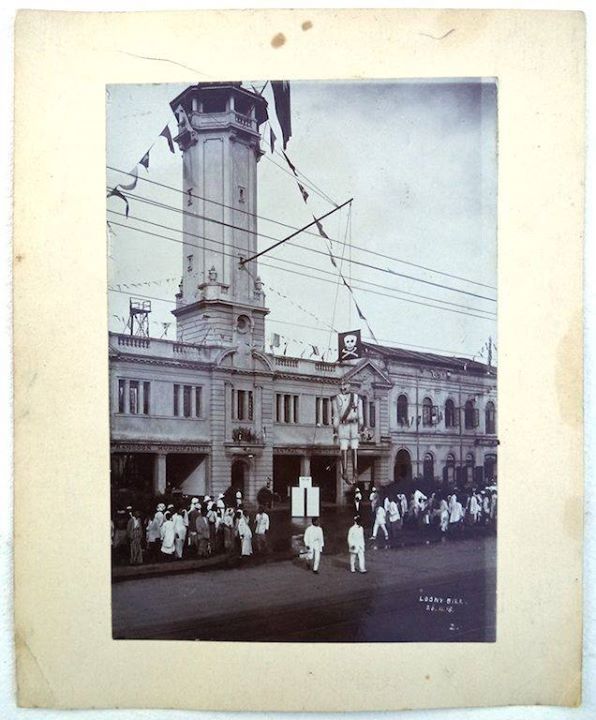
356,545
314,542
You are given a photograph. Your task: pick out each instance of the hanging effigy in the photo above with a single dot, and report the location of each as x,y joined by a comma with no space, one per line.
347,425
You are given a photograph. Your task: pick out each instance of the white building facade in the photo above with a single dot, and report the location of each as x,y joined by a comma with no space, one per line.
213,408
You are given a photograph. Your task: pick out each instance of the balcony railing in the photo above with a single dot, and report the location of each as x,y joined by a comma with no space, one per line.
133,341
287,362
325,367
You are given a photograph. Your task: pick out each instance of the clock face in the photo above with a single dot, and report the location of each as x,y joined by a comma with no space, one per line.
243,323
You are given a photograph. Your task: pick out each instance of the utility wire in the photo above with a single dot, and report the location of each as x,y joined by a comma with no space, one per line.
293,227
169,301
300,265
156,203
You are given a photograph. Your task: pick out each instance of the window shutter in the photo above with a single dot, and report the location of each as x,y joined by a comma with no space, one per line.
476,418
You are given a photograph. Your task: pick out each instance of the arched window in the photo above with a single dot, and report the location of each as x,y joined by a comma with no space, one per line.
490,468
468,468
427,411
402,410
449,470
471,415
489,418
451,417
428,467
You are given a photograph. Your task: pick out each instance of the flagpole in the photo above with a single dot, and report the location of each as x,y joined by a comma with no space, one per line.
314,222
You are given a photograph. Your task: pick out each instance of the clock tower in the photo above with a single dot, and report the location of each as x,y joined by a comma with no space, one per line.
220,301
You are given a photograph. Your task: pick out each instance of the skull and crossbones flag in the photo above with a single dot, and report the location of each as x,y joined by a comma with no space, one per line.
349,345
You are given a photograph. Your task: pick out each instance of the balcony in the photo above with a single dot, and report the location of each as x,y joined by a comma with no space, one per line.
202,121
125,345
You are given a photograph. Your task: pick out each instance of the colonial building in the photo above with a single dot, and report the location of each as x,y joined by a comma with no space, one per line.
213,408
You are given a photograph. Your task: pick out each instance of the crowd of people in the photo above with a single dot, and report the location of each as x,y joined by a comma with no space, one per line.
205,527
447,513
222,525
390,512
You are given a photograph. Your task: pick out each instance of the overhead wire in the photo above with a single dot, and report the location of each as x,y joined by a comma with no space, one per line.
155,203
326,272
293,227
169,301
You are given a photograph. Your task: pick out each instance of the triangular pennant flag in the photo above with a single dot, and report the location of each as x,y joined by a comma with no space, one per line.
303,192
359,311
320,229
144,161
290,163
134,173
168,136
116,193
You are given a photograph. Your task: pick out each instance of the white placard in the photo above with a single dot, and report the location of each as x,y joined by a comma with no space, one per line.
298,502
305,481
313,501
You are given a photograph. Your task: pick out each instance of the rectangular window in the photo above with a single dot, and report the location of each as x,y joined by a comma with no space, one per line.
372,415
133,397
242,405
146,398
186,400
198,401
288,409
121,396
323,411
176,400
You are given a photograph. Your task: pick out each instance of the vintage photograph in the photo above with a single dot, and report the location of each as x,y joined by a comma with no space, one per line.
302,302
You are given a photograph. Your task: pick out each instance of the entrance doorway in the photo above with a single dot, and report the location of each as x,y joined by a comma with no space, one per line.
239,475
323,469
286,471
402,470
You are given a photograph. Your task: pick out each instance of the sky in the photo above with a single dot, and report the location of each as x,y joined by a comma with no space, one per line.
419,159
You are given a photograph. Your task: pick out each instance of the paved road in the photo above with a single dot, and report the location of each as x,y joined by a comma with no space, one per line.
439,592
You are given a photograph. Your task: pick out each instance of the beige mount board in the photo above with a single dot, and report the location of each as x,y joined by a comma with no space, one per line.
66,657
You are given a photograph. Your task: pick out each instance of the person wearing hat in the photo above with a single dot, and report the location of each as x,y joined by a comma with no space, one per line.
202,528
356,545
314,543
357,500
154,532
244,533
229,531
168,537
192,525
134,530
380,520
180,530
238,498
347,424
261,530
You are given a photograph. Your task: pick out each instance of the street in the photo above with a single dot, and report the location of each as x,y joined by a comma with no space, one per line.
425,593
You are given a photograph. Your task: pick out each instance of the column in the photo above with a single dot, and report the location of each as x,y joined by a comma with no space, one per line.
159,474
340,487
305,465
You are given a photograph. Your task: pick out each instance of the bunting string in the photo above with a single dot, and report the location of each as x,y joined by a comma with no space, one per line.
328,244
